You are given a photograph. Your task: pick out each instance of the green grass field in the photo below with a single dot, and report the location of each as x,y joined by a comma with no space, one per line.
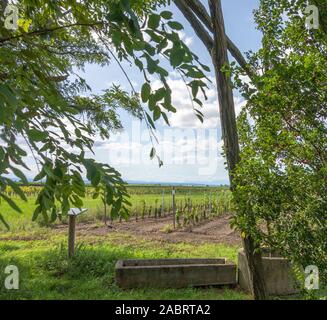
46,273
40,253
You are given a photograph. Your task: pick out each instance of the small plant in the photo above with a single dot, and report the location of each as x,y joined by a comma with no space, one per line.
143,208
168,228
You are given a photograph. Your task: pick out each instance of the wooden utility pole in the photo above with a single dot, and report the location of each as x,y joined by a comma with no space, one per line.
225,90
230,136
210,28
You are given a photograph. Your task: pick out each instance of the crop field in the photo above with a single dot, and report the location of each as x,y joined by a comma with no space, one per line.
192,205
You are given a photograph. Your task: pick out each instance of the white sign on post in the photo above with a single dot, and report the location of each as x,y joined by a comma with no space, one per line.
72,214
76,211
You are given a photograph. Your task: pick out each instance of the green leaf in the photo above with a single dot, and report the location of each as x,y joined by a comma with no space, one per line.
177,56
195,88
163,44
8,95
156,113
53,216
165,118
204,67
36,213
2,219
160,94
195,74
199,117
95,195
139,64
175,25
37,135
166,15
17,189
109,195
154,21
40,176
19,174
152,153
95,179
198,101
145,92
11,203
150,121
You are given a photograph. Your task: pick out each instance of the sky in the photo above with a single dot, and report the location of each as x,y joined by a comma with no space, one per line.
191,151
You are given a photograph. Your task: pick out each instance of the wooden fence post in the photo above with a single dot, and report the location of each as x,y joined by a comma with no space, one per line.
71,235
72,214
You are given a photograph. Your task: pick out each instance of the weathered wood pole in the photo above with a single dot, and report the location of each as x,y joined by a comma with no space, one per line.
105,206
71,235
174,207
163,204
201,21
230,136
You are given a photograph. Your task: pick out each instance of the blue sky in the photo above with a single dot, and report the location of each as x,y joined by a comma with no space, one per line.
191,152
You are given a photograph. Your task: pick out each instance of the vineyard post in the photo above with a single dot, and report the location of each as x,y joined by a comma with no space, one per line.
189,201
210,204
174,208
163,203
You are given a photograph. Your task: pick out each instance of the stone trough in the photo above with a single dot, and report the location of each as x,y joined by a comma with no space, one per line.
174,273
277,271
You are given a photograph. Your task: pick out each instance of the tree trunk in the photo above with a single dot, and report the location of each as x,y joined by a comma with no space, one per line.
258,285
230,136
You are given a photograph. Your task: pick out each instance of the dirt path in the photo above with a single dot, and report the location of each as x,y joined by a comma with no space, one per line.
214,231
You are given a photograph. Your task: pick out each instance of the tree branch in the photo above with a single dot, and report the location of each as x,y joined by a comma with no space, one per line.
202,33
193,9
42,31
200,10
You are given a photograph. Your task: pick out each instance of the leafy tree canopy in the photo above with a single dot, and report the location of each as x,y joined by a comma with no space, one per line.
43,97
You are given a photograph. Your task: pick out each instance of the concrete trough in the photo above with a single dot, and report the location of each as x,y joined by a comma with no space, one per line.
174,273
278,274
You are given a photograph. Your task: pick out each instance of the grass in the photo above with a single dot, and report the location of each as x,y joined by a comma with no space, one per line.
40,253
46,273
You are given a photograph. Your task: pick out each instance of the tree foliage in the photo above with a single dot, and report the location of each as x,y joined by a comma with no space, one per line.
47,104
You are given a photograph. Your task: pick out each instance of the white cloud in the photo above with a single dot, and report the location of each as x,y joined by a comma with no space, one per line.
186,39
199,149
185,116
